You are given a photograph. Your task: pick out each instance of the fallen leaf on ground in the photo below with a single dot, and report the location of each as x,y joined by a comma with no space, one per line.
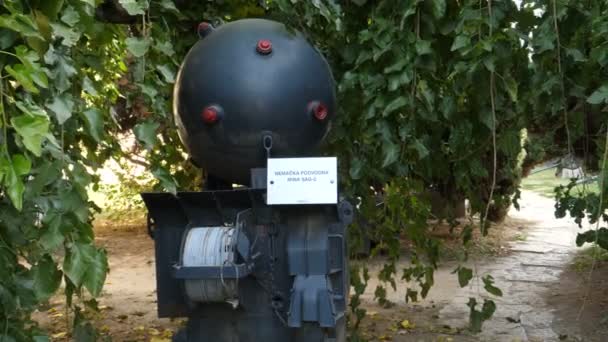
406,324
60,335
160,339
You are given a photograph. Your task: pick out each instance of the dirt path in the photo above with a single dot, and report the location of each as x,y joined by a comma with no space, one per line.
534,265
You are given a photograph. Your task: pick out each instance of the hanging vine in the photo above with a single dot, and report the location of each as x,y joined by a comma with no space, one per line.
413,118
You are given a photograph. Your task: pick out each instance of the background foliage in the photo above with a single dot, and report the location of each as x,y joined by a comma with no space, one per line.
436,96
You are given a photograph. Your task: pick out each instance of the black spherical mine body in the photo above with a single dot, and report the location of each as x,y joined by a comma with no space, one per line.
244,82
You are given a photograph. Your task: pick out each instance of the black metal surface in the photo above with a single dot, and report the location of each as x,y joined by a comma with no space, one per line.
259,177
279,245
170,224
260,95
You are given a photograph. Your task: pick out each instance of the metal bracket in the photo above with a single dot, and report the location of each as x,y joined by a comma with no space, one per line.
212,272
267,142
345,212
150,225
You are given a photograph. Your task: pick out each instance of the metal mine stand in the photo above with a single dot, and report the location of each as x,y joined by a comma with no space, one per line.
266,262
242,270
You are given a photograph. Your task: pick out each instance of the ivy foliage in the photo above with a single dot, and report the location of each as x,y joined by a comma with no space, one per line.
435,95
57,70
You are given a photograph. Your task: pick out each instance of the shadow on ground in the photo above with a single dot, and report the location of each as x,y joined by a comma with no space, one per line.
540,303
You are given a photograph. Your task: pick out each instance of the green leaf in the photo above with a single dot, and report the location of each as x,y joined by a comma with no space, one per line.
166,180
489,63
599,96
32,130
460,42
23,76
76,261
13,170
63,70
47,278
397,103
488,309
509,142
464,276
21,165
165,47
167,72
169,5
51,7
476,317
95,276
394,82
145,133
89,86
390,152
69,36
150,91
485,116
411,295
80,175
599,236
511,86
488,282
356,166
85,332
70,16
438,8
134,7
576,55
94,122
423,152
62,106
423,47
52,237
398,66
21,23
138,47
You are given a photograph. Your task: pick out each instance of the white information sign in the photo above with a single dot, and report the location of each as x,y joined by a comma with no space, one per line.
302,180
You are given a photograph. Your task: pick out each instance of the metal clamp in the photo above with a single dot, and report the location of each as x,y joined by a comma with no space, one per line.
151,225
211,272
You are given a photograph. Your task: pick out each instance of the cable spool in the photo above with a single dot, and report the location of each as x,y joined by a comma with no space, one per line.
210,246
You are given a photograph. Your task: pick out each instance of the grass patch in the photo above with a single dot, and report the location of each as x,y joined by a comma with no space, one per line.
545,182
584,258
520,237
